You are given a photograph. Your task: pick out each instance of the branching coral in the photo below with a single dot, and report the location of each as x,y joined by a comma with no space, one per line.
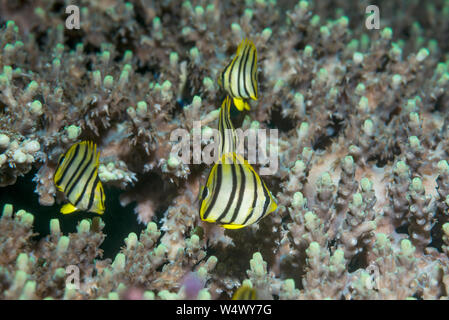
361,115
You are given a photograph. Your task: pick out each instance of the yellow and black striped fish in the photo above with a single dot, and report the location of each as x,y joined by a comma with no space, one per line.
228,137
234,195
77,176
239,77
245,292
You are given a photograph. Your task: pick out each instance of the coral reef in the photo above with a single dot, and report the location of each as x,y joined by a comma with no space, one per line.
363,180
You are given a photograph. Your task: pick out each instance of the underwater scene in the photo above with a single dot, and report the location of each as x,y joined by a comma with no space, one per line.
224,150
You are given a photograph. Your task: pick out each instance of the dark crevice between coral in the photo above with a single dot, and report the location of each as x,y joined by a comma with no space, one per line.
187,94
386,156
294,266
393,114
437,231
138,14
2,107
332,130
417,296
402,228
279,122
147,68
73,37
383,63
123,39
440,104
119,221
300,45
359,261
58,7
40,37
91,49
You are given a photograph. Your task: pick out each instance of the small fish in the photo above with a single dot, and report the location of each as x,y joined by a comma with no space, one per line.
239,77
234,195
245,292
77,176
228,137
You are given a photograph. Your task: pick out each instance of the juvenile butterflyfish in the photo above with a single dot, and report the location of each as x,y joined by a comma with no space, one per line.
77,177
234,195
245,292
239,77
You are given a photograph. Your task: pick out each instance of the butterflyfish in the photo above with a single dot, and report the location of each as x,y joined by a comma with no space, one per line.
77,177
239,77
234,195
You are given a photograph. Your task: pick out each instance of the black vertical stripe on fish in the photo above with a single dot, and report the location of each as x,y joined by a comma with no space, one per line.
239,72
78,164
228,139
102,196
222,138
222,127
241,194
67,167
81,196
253,77
215,196
231,195
81,173
61,159
230,78
253,205
92,194
266,203
244,72
223,74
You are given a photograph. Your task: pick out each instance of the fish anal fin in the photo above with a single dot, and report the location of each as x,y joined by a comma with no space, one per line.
232,226
68,208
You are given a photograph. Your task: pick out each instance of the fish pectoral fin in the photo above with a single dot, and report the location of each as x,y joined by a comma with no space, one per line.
240,104
68,208
232,226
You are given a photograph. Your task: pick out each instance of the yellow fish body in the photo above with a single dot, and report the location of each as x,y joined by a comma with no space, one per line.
234,196
77,176
239,77
245,292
